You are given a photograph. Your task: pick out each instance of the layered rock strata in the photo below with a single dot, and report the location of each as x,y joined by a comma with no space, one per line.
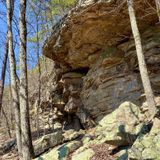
94,40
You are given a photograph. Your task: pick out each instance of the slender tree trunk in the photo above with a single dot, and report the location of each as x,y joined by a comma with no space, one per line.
3,73
10,105
158,8
27,147
141,61
7,123
15,95
39,76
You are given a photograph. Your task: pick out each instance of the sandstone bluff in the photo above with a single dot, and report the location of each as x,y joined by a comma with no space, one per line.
93,105
95,72
95,56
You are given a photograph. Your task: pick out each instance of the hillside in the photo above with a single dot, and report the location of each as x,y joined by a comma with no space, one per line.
92,101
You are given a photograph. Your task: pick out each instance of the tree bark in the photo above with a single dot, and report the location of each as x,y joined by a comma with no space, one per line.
158,8
14,88
3,73
27,147
39,75
11,116
141,60
7,123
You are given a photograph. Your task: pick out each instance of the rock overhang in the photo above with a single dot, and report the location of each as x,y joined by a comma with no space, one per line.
88,30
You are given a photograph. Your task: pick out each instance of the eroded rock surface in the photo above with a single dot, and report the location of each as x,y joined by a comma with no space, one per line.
95,39
47,141
80,38
114,78
147,146
97,70
121,127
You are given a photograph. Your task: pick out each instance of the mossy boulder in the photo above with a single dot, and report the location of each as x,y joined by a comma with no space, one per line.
85,155
122,126
61,152
72,134
147,146
48,141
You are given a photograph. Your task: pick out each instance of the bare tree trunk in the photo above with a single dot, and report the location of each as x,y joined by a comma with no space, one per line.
158,8
27,147
141,61
39,76
7,123
3,73
15,95
10,105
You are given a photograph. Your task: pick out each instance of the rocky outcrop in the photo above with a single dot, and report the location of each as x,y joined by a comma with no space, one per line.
90,42
82,35
93,93
113,80
62,106
95,72
106,87
120,128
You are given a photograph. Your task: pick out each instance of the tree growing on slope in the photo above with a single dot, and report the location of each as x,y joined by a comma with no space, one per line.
27,147
3,73
14,88
141,60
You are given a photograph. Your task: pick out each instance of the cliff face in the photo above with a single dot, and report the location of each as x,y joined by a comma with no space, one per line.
96,65
111,81
80,38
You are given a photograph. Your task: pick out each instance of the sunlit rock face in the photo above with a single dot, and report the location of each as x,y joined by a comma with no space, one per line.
106,88
79,39
113,80
95,41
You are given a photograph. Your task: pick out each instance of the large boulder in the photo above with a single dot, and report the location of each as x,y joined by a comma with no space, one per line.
147,146
48,141
60,152
85,155
122,126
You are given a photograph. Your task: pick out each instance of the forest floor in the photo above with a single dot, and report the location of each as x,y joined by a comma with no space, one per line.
11,154
103,151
